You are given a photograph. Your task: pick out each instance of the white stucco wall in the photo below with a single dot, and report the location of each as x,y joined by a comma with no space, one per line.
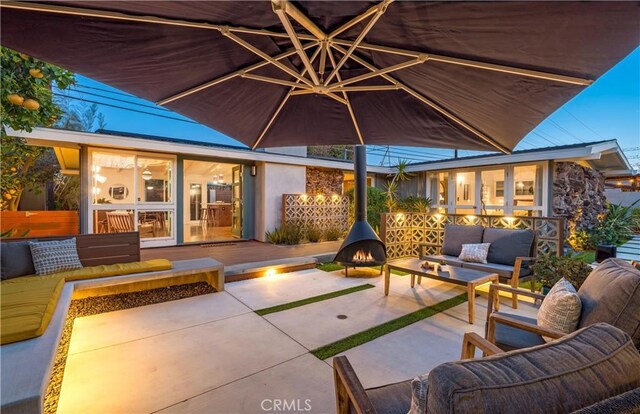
272,181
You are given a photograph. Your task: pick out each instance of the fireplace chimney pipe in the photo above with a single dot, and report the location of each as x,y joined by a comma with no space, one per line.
360,182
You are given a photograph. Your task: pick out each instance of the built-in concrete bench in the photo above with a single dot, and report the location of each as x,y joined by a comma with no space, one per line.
27,365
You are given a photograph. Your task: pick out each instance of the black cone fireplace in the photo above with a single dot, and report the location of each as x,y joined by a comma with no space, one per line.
362,247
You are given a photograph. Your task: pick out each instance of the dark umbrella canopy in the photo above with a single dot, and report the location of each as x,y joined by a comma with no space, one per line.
468,75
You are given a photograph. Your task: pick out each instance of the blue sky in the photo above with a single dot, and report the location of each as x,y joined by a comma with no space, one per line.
610,108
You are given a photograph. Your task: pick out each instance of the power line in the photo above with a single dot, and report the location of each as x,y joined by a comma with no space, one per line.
583,124
159,108
127,109
105,90
560,127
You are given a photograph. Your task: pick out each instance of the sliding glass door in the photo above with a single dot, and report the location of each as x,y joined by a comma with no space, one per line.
133,191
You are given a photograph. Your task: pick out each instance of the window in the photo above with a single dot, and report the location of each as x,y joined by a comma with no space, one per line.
133,192
112,178
492,194
527,190
154,180
440,189
465,188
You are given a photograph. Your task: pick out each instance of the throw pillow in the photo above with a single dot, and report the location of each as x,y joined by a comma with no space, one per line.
15,260
55,256
561,308
476,253
419,388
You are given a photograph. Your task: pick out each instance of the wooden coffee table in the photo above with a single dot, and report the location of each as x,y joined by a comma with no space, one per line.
456,275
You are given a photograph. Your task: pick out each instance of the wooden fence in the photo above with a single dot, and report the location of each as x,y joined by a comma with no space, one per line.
39,223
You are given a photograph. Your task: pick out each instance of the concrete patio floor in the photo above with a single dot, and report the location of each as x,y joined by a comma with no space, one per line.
213,354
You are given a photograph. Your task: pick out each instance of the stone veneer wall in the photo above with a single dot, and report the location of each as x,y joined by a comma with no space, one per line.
578,195
324,181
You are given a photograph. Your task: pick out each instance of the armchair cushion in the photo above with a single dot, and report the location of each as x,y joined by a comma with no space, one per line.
392,398
561,308
456,235
509,338
611,294
564,375
508,244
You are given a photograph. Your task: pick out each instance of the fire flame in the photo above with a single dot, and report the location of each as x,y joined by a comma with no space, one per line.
362,257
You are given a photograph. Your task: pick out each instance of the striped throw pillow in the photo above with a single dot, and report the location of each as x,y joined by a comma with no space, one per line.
55,256
476,253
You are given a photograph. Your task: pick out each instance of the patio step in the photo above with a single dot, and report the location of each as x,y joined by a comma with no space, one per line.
253,270
627,256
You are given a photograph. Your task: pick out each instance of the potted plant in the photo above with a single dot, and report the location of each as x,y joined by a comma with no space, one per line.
548,269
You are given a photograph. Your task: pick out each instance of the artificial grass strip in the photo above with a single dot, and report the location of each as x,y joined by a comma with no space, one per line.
368,335
330,267
313,299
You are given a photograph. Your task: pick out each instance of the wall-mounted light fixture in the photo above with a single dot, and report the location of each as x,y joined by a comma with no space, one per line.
146,175
253,170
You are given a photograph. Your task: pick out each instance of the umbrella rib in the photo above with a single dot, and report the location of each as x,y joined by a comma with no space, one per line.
263,55
348,103
430,103
231,75
379,72
354,21
277,111
470,63
275,81
280,9
382,8
299,17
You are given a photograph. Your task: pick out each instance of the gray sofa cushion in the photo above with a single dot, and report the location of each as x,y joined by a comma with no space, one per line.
611,294
455,236
450,260
15,260
392,398
503,271
508,244
508,338
576,371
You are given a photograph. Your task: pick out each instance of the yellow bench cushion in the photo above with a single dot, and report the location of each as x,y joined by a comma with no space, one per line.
26,308
27,303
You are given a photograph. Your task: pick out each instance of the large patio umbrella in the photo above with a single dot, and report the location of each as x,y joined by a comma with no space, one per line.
468,75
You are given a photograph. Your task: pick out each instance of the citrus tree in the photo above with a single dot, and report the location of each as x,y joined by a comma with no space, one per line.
26,101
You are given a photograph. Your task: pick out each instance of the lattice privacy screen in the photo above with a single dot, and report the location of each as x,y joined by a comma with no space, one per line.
404,232
320,211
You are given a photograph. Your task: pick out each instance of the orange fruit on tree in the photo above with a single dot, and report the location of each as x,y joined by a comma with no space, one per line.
13,169
12,191
31,104
15,99
8,196
36,73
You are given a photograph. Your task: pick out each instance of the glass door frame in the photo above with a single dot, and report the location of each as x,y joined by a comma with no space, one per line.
237,208
138,206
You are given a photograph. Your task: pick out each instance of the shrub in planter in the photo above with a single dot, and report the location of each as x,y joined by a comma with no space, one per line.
548,269
275,237
313,234
332,234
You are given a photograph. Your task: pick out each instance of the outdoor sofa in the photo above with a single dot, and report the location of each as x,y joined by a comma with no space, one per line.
610,294
593,370
34,308
510,252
